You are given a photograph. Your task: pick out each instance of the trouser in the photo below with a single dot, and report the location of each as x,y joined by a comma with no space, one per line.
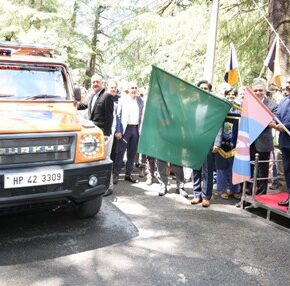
274,169
108,147
128,142
278,156
286,166
203,179
178,171
150,167
114,150
224,180
263,169
224,177
161,172
162,176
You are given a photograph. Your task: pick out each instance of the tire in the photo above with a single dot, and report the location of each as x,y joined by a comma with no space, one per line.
89,208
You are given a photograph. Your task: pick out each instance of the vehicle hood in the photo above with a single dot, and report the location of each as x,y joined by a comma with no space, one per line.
37,117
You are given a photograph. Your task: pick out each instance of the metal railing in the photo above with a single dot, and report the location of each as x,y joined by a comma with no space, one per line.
254,180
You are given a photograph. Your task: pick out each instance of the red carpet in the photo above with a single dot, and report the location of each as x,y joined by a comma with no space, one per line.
272,200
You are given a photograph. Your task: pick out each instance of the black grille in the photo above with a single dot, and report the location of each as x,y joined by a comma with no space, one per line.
36,150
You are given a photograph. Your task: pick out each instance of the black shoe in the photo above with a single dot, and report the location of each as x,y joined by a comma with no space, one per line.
163,191
115,180
108,192
182,192
275,186
239,204
284,203
129,178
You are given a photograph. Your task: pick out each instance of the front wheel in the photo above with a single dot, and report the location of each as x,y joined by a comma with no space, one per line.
89,208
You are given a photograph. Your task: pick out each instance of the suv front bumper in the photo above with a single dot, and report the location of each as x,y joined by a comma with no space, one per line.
75,186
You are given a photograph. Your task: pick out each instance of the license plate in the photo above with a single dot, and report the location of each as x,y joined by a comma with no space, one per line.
19,180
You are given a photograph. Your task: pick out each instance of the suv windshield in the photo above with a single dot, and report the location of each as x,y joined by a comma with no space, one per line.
29,82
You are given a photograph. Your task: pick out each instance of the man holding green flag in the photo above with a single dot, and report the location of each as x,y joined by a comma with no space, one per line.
180,120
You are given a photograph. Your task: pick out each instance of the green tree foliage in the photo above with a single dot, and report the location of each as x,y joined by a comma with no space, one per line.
48,23
244,25
129,36
174,42
26,18
173,35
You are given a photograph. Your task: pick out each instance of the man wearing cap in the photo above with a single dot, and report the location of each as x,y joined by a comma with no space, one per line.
283,114
263,145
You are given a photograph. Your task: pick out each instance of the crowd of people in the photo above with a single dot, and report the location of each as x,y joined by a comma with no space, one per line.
119,111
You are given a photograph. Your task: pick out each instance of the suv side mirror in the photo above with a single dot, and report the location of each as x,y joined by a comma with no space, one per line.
77,94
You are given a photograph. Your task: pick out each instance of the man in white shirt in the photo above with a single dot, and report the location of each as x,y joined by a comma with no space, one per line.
129,114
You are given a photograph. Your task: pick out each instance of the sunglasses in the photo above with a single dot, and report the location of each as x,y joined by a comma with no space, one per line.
133,87
258,90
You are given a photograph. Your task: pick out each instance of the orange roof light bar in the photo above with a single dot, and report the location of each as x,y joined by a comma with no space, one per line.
27,50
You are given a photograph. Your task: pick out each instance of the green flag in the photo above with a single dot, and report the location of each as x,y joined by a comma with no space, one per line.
180,120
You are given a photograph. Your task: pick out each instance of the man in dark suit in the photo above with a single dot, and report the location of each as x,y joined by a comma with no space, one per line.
101,106
101,112
283,114
263,145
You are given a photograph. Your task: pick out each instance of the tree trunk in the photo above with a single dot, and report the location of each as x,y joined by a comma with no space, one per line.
279,17
74,15
91,67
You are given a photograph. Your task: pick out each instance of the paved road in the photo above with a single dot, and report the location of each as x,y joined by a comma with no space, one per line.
142,239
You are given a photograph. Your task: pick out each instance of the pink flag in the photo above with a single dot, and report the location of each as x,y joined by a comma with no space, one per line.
255,118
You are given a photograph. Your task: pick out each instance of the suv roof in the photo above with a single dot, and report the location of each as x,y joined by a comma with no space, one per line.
11,52
27,50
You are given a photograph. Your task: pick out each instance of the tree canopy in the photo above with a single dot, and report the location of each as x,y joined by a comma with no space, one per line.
122,39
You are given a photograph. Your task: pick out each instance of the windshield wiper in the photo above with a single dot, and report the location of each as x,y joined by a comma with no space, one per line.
39,96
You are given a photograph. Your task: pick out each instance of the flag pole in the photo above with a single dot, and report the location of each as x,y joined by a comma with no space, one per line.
211,43
262,71
241,81
284,127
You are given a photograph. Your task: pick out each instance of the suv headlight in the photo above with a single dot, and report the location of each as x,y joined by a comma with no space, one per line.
90,147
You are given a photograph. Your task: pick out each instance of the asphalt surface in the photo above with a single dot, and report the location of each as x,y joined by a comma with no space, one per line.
139,239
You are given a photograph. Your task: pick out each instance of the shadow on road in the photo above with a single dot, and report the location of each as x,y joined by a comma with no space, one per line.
46,235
